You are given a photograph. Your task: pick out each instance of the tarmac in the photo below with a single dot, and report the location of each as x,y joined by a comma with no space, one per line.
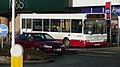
6,60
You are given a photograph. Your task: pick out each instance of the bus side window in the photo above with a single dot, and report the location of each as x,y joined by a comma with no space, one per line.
65,25
76,26
46,25
79,27
54,29
55,25
86,28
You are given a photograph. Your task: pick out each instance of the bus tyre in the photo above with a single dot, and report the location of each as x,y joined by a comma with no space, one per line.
66,43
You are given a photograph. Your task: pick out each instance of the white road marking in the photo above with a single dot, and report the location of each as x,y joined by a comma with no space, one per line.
106,52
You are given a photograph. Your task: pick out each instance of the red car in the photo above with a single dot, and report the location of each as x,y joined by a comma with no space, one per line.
40,41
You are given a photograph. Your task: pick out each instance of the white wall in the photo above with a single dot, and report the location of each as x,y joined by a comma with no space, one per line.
84,3
118,21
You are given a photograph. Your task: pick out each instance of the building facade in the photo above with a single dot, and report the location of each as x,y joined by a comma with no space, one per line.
56,6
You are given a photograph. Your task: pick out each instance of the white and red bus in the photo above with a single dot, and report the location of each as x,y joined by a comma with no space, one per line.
74,29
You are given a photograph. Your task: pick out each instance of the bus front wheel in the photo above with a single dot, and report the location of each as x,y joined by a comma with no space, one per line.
66,42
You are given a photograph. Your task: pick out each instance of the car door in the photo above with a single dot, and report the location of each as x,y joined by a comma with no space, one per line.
29,41
25,40
22,40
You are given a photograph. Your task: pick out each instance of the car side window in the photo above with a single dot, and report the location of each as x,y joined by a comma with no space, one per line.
29,37
23,37
37,37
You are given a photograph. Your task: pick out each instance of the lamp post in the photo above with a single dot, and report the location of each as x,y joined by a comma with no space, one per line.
108,20
13,22
16,50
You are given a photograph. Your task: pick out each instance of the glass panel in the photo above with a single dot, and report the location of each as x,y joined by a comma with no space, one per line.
95,27
37,24
38,37
76,26
55,25
101,26
46,25
23,23
29,37
23,37
28,23
48,36
66,25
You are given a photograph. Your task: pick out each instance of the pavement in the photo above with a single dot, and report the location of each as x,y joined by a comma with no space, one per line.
6,60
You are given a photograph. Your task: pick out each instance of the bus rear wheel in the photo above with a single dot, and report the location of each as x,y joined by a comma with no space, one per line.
66,42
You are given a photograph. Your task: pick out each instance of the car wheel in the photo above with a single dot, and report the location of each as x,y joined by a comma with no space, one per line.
66,42
37,48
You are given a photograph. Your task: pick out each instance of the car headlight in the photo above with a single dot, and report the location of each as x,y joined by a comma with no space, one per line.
62,45
46,46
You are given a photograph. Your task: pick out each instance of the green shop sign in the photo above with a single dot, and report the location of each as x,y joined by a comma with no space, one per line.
19,4
34,5
4,6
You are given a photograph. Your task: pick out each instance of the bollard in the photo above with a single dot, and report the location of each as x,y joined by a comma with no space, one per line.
16,56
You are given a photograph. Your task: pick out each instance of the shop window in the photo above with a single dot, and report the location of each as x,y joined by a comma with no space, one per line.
37,24
46,25
23,23
26,23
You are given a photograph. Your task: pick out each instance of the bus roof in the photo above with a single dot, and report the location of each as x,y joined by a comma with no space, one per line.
55,16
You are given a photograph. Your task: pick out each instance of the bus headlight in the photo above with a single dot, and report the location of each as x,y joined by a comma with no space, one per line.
105,39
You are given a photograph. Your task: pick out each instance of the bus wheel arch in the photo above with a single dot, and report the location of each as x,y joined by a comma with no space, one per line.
66,42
